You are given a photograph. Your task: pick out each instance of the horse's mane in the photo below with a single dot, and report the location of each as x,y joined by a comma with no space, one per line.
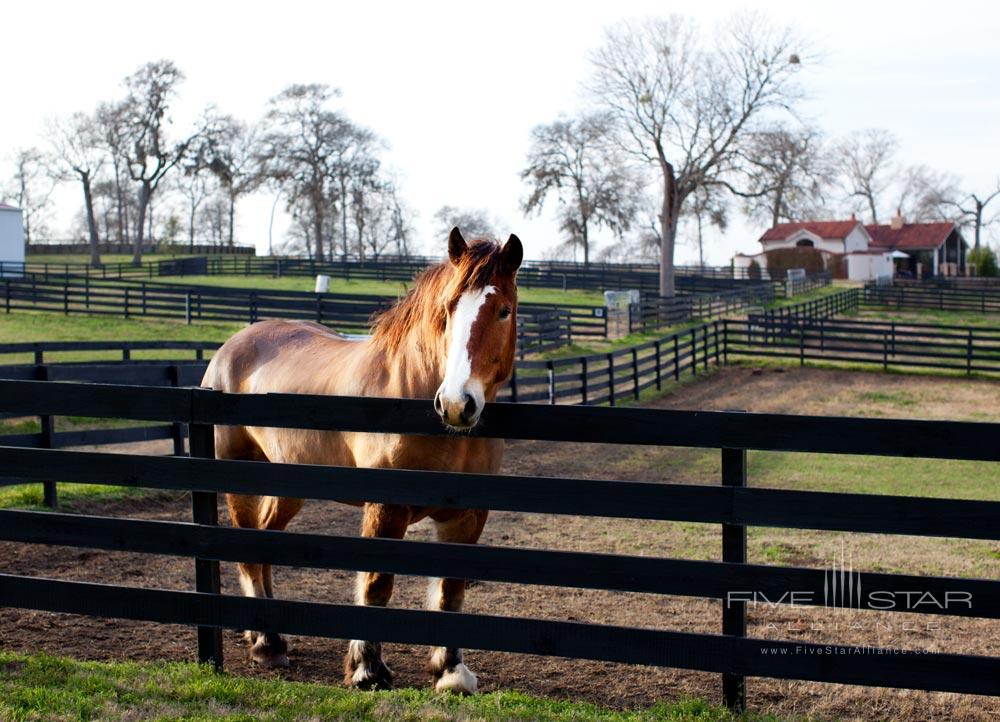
478,265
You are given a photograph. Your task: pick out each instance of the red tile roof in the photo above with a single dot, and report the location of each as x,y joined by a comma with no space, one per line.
912,236
823,229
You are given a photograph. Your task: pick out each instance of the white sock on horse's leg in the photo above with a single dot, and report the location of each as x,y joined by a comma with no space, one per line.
363,664
447,670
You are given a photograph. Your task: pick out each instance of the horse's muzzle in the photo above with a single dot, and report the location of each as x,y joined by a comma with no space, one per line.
461,414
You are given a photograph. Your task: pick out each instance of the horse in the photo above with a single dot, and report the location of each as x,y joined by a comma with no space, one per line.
450,340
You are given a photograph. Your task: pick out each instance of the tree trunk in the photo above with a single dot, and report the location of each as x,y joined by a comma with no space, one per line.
701,246
191,216
318,230
585,237
978,221
232,216
343,215
871,207
668,226
140,226
88,202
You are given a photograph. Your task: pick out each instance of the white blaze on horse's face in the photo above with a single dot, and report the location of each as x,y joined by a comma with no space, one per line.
460,398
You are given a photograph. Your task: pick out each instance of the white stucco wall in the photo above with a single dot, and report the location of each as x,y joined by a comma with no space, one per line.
868,266
11,236
833,245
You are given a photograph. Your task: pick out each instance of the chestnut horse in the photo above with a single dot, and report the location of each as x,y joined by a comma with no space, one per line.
451,339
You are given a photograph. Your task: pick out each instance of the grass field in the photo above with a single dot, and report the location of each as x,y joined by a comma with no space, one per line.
40,687
944,318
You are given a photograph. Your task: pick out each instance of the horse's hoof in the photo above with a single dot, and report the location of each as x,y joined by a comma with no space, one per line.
457,679
270,651
369,677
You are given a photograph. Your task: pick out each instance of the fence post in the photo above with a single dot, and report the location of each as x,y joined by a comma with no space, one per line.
50,496
66,295
611,379
187,307
734,551
205,510
552,382
7,294
126,302
677,357
513,385
583,380
885,351
968,355
659,375
635,374
715,331
802,344
694,353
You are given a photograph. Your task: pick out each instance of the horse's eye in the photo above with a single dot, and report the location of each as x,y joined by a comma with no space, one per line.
505,313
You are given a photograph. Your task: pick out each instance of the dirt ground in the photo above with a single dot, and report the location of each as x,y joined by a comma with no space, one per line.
794,391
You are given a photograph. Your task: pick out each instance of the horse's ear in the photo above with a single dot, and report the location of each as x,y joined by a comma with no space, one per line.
456,245
512,254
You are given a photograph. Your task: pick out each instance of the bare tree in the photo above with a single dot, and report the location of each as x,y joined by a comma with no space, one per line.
866,162
30,189
971,211
151,152
112,125
784,174
298,151
231,151
80,155
686,107
925,194
354,169
474,222
577,161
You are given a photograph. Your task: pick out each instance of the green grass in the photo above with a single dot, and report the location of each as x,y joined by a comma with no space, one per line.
943,318
22,326
71,496
41,687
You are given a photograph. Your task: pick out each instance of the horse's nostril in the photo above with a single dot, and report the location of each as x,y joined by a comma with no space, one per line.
470,406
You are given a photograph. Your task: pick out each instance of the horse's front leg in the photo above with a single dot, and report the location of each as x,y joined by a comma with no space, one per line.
448,672
363,665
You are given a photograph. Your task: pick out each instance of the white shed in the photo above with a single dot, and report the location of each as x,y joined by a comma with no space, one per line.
11,240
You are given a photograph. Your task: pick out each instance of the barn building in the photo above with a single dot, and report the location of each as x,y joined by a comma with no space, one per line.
861,252
11,239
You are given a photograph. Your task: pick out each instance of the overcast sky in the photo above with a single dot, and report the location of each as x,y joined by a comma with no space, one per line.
455,88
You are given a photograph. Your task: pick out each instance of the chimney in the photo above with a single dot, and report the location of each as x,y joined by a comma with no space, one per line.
897,221
853,217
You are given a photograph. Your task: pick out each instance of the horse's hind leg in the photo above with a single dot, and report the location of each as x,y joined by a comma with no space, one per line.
269,649
363,665
448,672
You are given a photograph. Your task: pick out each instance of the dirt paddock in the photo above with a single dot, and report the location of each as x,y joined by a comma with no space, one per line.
793,391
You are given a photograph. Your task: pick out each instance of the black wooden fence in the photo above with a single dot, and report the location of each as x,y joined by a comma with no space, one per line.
969,349
732,504
985,299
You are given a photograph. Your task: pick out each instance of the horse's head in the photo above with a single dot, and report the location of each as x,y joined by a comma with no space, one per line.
480,328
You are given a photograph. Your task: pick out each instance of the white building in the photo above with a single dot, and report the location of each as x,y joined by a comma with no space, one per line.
11,239
859,252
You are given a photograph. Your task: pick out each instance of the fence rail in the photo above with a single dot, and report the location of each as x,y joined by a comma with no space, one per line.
731,504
